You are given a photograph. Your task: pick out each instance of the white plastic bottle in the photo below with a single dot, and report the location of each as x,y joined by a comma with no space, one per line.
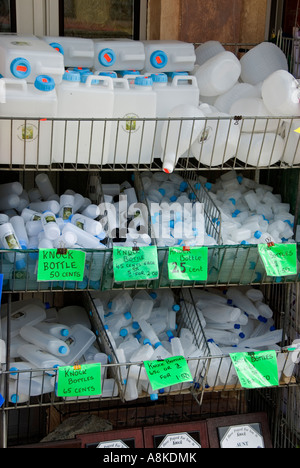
45,186
149,332
9,201
168,56
66,206
179,134
50,225
42,206
207,50
79,340
280,93
260,149
45,341
240,300
143,353
121,303
9,241
141,309
40,358
220,313
18,224
58,330
269,338
87,224
222,337
84,239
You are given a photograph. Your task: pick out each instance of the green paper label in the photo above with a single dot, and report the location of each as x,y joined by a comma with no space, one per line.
188,264
56,266
256,370
171,371
76,381
280,259
132,264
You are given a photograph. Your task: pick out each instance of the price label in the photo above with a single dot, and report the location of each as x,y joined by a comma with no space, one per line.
84,380
188,264
280,259
54,265
132,264
171,371
256,370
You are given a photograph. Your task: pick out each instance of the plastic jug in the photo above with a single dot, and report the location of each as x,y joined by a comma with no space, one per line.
26,57
40,358
218,74
132,140
76,51
44,341
86,142
291,154
56,329
79,340
181,90
254,107
179,133
260,149
281,94
118,54
261,61
219,140
72,315
27,141
168,56
208,50
240,90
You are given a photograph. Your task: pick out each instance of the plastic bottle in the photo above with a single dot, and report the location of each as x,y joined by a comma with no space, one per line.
118,54
280,93
45,186
15,188
9,241
121,303
131,392
44,341
9,201
141,309
143,353
18,224
179,134
56,329
241,300
260,149
218,74
218,367
176,347
79,340
207,50
91,211
269,338
42,206
76,51
72,315
220,313
116,322
149,332
222,337
84,239
168,56
261,61
129,347
40,358
50,226
254,106
30,215
87,224
66,206
240,90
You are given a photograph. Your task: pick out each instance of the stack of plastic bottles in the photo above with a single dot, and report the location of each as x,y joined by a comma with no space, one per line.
251,213
238,320
42,339
143,326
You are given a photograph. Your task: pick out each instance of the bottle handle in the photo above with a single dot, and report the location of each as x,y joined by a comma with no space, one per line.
123,82
192,80
106,79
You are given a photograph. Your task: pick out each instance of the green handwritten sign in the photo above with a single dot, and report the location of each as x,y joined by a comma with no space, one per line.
256,370
84,380
190,265
171,371
280,259
132,264
54,265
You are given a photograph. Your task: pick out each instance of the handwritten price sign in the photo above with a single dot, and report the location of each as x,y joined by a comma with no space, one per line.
190,265
169,372
256,370
135,264
280,259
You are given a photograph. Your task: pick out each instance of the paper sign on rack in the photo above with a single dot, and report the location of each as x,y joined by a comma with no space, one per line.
256,369
54,265
190,264
171,371
76,381
135,264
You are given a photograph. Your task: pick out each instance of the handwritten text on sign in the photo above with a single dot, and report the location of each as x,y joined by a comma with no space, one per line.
256,370
188,264
280,259
135,264
78,381
171,371
56,266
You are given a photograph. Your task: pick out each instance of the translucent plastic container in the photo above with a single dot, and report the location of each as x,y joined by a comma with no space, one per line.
240,90
168,56
181,90
76,51
27,141
219,140
292,141
218,74
132,140
23,314
45,341
260,149
208,50
254,107
261,61
26,57
118,54
86,142
281,94
40,358
79,340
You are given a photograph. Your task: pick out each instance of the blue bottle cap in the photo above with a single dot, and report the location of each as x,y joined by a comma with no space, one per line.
153,295
127,315
129,72
233,201
162,191
123,332
262,319
64,332
135,325
245,242
146,341
159,59
107,57
192,196
157,345
13,370
15,398
154,397
58,47
111,74
176,308
258,235
240,179
183,186
208,185
242,335
20,68
63,350
159,78
143,81
237,326
44,83
71,76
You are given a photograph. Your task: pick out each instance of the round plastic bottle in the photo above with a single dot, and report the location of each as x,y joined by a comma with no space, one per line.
50,225
45,186
58,330
66,206
281,94
45,341
18,224
9,241
42,206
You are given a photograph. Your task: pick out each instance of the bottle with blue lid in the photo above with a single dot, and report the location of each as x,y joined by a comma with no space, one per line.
169,56
76,51
118,54
88,141
26,57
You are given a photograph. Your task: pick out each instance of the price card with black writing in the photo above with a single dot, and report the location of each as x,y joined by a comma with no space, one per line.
135,264
76,381
171,371
256,370
279,259
190,264
54,265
